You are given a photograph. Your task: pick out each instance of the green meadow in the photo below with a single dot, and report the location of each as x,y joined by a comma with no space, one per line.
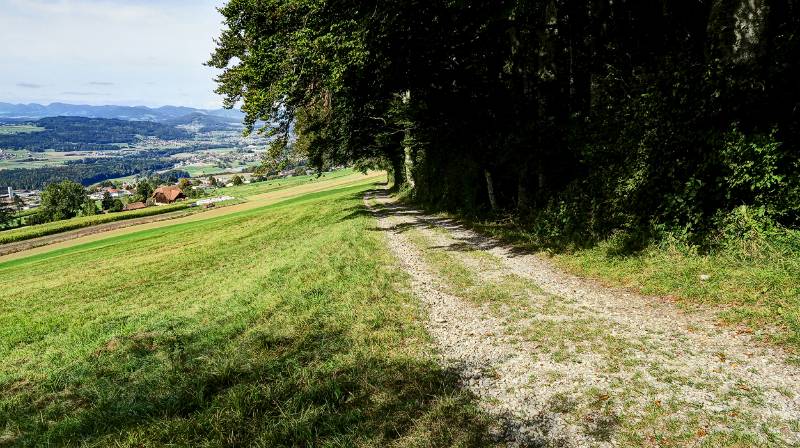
286,325
10,129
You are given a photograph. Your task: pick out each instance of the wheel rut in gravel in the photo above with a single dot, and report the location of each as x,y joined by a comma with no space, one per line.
563,361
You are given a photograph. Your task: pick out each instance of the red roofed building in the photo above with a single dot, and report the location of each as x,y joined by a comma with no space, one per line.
168,195
134,206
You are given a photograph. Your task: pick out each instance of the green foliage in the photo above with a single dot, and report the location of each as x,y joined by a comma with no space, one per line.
116,206
62,200
87,134
89,208
170,177
86,171
6,213
595,117
144,189
237,180
756,174
107,201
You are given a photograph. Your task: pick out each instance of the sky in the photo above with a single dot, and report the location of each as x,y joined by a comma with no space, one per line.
121,52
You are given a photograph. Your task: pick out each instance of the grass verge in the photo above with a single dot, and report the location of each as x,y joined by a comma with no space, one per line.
287,325
752,279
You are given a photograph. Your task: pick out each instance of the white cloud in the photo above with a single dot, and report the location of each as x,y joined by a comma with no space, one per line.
123,46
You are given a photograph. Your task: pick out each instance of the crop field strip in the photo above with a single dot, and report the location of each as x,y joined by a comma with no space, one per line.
242,192
254,201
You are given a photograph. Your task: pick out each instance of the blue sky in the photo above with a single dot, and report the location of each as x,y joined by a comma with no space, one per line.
125,52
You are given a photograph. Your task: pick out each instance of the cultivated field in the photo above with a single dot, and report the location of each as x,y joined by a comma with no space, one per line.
10,129
283,325
50,228
31,159
241,192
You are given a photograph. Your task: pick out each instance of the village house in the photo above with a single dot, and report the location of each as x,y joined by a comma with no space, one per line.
168,194
113,192
134,206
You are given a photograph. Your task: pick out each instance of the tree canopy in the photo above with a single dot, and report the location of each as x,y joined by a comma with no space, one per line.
62,200
590,115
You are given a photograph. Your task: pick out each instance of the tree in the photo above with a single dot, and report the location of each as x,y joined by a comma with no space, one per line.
144,189
587,116
237,180
213,181
62,200
6,213
89,208
18,204
107,201
116,206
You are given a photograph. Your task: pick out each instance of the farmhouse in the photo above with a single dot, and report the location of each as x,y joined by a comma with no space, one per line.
134,206
113,192
168,195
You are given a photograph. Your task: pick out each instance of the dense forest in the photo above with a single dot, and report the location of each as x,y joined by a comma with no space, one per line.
86,171
88,134
584,117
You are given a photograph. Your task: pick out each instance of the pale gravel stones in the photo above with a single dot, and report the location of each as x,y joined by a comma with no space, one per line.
667,355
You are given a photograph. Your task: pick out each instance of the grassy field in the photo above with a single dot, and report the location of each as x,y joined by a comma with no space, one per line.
285,325
239,192
10,129
205,170
751,280
266,197
30,159
51,228
247,190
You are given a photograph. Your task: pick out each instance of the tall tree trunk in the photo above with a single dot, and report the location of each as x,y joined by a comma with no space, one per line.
408,166
408,159
398,172
490,189
523,198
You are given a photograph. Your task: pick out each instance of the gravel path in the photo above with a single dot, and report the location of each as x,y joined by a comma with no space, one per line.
573,363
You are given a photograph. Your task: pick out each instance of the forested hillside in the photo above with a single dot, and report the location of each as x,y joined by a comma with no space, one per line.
86,171
583,116
88,134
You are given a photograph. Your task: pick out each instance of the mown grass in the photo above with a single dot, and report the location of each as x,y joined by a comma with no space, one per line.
51,228
752,279
287,325
247,190
240,192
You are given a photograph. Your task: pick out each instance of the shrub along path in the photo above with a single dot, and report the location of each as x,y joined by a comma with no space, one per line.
561,360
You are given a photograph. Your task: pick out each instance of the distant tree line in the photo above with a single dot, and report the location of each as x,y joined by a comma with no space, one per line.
88,134
86,172
582,116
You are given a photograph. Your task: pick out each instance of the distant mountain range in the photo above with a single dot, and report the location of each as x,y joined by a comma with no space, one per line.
160,114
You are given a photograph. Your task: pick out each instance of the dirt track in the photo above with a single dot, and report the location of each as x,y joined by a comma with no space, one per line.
562,361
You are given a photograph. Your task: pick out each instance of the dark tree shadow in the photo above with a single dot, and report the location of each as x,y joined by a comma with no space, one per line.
263,389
